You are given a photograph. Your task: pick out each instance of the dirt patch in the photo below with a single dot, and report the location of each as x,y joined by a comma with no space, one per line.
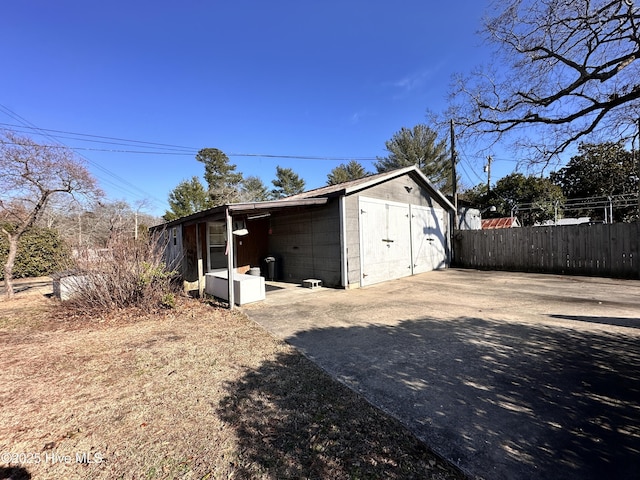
194,392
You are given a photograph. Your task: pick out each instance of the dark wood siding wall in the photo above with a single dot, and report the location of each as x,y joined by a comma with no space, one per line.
403,190
190,262
174,252
251,249
306,244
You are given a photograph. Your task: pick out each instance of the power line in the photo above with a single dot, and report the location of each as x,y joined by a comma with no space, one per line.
26,123
303,157
164,148
117,139
464,157
104,142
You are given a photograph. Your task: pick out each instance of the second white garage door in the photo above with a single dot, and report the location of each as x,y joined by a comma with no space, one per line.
398,239
428,242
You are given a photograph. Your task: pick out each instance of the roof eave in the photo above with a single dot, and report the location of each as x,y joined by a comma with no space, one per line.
240,208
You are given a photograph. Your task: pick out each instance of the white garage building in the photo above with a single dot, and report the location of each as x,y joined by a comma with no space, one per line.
393,225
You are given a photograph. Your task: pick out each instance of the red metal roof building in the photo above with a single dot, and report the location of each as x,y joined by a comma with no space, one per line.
504,222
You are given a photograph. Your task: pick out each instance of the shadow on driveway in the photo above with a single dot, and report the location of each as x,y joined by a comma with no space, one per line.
617,321
508,375
500,400
309,426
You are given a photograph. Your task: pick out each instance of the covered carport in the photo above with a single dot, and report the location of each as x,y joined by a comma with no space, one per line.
239,236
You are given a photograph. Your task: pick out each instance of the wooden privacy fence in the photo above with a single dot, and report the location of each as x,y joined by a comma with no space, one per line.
605,250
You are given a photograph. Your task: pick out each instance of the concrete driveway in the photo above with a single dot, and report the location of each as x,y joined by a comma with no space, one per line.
507,375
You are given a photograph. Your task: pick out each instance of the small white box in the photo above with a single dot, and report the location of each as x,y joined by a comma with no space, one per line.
246,288
311,283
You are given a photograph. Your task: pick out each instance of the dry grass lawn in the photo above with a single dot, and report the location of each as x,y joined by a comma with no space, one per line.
195,392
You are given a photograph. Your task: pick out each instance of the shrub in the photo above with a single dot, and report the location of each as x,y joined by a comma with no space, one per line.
168,300
128,273
41,251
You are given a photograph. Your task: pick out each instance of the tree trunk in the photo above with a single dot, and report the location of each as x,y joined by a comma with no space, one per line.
8,266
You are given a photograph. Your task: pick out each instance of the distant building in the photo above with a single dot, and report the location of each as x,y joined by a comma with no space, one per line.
564,221
504,222
469,218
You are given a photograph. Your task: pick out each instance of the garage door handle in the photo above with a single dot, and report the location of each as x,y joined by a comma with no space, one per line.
387,240
430,239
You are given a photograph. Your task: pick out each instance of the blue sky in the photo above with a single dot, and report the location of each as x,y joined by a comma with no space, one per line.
319,79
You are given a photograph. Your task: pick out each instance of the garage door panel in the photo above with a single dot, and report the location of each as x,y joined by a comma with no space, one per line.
428,239
420,239
439,243
399,239
385,232
399,245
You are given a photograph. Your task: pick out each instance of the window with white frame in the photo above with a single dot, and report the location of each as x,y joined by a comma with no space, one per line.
216,244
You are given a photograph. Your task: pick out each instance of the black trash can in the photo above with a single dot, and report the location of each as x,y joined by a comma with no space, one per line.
270,268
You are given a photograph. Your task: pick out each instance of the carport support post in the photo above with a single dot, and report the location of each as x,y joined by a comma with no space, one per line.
230,259
199,248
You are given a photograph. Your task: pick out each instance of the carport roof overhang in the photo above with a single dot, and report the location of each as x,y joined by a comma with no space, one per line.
257,208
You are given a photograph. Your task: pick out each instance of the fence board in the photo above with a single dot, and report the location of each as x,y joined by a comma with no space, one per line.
606,250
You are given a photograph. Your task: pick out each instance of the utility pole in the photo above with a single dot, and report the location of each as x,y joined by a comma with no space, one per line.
454,176
454,187
637,158
487,168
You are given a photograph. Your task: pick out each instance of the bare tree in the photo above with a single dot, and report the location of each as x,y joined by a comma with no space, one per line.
31,175
568,71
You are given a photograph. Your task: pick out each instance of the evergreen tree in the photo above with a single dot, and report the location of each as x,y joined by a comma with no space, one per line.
287,183
346,172
419,146
253,190
222,179
187,198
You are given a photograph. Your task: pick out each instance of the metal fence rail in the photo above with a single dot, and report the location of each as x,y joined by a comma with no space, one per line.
604,250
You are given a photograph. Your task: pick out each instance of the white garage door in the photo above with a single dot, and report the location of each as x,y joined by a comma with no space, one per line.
385,240
397,240
428,242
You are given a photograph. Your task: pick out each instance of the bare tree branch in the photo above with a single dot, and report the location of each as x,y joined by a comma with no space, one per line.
567,70
31,175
